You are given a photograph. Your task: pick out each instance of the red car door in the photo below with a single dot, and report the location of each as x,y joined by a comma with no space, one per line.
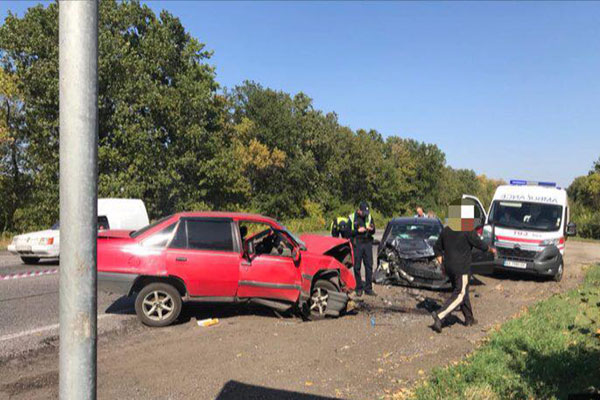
270,275
205,255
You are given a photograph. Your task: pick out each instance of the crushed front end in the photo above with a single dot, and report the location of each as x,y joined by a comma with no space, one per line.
409,262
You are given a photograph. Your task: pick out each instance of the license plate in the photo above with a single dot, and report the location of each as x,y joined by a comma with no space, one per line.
515,264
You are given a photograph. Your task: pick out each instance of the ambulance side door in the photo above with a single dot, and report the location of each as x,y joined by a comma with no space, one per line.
479,258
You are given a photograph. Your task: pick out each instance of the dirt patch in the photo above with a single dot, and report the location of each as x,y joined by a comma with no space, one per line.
30,383
349,357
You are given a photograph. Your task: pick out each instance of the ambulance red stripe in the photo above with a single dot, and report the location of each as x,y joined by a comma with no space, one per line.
511,239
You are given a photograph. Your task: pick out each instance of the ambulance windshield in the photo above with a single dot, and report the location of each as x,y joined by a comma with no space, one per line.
525,215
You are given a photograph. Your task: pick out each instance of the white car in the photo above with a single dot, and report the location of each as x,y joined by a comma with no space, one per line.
112,214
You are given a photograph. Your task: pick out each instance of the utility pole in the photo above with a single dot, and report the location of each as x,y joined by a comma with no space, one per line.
78,69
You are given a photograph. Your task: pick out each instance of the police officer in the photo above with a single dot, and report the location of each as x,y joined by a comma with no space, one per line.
340,227
363,229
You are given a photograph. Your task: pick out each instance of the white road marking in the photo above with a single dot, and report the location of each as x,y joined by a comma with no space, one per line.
29,274
29,332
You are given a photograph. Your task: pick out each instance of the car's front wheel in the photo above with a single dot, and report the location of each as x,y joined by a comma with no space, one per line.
319,298
30,260
158,304
559,273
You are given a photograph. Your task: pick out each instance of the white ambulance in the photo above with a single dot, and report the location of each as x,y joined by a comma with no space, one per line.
528,223
112,214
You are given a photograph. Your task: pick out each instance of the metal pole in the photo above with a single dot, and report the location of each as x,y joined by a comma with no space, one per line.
78,65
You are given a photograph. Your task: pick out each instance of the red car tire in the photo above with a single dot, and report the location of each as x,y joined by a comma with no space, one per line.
158,304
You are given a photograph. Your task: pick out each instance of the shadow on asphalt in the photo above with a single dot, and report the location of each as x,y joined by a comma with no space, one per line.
126,306
518,276
200,311
234,390
123,305
43,262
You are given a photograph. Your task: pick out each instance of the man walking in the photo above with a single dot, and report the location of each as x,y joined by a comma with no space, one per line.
454,247
362,231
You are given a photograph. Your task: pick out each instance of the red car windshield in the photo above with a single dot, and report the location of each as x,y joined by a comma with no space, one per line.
140,231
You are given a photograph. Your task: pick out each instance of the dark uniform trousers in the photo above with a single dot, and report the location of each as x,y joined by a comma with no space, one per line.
459,297
363,252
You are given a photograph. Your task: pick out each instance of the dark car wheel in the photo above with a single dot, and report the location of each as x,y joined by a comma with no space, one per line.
317,304
158,304
30,260
559,273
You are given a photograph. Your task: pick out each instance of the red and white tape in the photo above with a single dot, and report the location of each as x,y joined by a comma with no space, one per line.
29,274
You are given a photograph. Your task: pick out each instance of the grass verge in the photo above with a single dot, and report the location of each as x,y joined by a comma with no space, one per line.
547,353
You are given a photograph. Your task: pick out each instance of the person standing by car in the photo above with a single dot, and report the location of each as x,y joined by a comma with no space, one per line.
420,213
362,231
454,247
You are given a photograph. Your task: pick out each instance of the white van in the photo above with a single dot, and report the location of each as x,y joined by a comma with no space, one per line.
127,214
528,223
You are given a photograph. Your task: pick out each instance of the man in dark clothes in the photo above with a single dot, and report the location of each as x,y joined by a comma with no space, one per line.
362,231
454,247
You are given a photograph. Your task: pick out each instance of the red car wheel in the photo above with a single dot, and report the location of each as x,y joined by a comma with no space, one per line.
158,304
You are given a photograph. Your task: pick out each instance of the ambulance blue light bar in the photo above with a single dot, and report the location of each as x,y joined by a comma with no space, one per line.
520,182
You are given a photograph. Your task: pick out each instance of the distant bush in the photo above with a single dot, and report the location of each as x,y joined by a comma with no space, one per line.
584,194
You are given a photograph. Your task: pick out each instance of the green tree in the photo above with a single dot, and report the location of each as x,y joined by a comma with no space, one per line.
13,182
160,118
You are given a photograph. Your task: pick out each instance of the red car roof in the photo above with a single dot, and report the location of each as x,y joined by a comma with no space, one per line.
233,215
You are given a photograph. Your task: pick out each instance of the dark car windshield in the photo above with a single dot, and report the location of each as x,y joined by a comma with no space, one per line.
140,231
409,230
525,215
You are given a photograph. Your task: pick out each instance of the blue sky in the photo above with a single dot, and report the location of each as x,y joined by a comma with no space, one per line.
508,89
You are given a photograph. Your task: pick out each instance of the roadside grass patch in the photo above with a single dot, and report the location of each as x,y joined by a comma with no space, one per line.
550,351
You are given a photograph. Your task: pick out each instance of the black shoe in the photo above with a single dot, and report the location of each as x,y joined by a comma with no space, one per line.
359,292
437,323
470,322
370,292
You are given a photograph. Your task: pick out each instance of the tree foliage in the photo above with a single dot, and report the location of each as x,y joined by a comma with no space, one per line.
170,136
584,193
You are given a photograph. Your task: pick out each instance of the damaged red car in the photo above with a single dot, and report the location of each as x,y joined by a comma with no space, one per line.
222,258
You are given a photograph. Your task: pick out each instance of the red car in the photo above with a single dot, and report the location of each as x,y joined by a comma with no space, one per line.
225,257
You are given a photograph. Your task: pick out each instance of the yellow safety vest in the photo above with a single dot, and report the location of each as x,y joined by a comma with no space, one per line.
367,221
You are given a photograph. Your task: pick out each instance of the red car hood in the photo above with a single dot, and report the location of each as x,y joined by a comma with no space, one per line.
115,233
321,244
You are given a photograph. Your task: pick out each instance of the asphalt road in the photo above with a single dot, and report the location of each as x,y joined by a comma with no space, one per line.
29,306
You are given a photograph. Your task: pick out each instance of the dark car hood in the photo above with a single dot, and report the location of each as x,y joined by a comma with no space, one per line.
412,248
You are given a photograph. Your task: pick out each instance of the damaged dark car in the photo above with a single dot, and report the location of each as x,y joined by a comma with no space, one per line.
405,254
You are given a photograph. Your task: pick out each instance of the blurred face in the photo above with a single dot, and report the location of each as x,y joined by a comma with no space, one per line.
461,218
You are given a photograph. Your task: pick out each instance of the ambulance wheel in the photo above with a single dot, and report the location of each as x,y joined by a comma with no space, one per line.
559,273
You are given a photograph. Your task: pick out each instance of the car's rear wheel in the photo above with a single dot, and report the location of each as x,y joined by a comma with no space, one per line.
30,260
319,297
158,304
